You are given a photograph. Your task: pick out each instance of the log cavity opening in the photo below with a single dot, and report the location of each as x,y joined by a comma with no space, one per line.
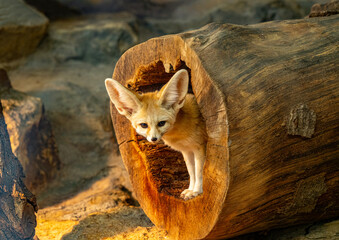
166,166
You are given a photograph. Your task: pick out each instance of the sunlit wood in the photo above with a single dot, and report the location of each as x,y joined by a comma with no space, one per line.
269,96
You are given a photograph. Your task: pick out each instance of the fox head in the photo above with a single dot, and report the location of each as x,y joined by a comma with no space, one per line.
151,114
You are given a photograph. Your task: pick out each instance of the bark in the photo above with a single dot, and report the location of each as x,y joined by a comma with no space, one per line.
269,96
18,204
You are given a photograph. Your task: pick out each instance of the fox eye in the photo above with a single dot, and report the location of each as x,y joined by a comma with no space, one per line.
143,125
161,123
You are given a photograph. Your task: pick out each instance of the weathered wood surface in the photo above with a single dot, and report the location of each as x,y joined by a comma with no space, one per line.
269,95
17,203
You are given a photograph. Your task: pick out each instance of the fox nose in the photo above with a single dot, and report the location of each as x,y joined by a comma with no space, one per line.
154,139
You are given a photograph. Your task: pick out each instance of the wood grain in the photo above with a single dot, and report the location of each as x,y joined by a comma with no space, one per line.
18,204
269,96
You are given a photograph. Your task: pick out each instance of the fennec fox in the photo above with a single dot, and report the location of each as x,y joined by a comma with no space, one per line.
169,114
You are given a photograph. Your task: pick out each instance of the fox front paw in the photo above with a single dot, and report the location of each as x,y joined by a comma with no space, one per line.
189,194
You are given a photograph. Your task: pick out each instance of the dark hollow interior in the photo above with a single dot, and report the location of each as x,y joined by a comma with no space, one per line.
166,166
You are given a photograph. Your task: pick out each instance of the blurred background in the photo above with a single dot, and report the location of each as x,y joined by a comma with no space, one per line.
57,54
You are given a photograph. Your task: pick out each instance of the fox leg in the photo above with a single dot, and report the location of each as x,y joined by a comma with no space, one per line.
199,157
190,164
196,179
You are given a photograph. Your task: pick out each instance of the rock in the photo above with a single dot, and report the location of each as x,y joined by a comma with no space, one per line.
53,9
31,136
322,10
99,39
188,15
160,17
77,106
211,10
5,84
141,8
279,10
21,29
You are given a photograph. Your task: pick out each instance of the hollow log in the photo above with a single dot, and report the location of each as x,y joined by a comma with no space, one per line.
269,96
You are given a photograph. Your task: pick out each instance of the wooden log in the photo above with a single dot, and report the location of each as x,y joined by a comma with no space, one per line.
17,204
269,96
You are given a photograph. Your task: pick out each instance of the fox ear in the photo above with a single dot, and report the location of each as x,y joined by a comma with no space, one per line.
123,99
174,92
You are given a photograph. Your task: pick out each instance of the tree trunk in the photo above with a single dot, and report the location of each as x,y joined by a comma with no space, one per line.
269,96
17,203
